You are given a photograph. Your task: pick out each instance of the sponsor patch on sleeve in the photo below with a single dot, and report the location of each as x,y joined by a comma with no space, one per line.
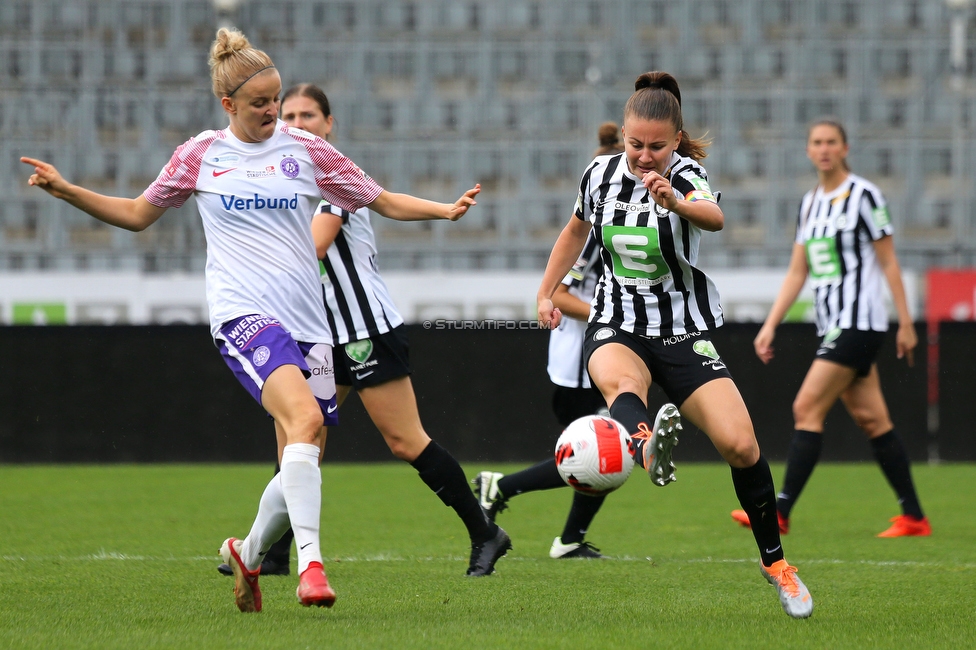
881,217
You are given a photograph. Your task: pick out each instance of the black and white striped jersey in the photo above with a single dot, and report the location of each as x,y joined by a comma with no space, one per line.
358,303
838,230
650,284
566,341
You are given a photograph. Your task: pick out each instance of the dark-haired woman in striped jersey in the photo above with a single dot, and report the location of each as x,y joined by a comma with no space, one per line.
653,310
844,245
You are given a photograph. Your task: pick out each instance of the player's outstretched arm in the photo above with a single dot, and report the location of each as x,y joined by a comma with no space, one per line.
131,214
796,276
564,254
404,207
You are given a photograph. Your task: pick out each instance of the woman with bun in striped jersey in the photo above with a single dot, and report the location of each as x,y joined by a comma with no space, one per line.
575,395
844,245
256,183
654,309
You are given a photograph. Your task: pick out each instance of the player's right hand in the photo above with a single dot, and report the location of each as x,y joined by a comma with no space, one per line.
763,343
549,315
47,178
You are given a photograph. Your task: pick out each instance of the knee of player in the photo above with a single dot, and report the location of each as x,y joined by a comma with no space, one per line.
407,445
873,424
305,425
803,408
741,452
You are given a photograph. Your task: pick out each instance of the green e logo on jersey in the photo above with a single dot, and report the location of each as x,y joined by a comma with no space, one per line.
822,259
636,254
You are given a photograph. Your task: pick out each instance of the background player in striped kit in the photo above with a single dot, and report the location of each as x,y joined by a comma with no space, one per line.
574,395
373,352
844,244
255,184
647,207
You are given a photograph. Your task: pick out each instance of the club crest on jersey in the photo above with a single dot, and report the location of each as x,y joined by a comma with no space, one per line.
603,334
289,167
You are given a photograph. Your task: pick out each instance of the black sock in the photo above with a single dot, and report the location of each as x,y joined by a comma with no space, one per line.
280,551
541,476
804,454
630,411
754,487
581,514
891,455
443,475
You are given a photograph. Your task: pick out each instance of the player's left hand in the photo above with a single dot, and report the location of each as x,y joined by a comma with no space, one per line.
905,343
462,204
661,190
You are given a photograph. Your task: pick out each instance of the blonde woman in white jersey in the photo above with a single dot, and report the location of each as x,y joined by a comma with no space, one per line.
844,245
256,183
372,351
652,314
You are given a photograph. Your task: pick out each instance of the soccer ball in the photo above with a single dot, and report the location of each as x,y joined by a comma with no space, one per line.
594,455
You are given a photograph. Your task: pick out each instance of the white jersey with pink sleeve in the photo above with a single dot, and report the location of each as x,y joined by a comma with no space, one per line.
257,201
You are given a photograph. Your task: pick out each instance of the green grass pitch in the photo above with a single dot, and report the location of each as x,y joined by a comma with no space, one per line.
125,557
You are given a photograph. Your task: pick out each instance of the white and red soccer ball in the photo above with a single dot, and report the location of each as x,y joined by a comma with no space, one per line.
594,455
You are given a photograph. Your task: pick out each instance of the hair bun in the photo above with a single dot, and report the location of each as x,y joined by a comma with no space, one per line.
608,134
227,43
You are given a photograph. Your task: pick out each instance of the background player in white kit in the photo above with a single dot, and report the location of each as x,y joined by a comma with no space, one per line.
653,310
372,352
256,183
573,397
844,244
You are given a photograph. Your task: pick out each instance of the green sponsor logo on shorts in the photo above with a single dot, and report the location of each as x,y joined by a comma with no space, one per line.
832,335
359,351
706,349
881,216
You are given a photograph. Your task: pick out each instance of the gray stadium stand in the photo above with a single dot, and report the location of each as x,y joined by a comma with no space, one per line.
431,96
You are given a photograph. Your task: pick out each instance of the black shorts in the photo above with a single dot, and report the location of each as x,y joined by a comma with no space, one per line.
680,365
855,349
373,361
571,404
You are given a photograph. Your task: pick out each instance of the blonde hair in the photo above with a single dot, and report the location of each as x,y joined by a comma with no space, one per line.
233,61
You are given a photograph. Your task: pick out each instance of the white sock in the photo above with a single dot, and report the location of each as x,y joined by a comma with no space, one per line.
269,525
301,482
